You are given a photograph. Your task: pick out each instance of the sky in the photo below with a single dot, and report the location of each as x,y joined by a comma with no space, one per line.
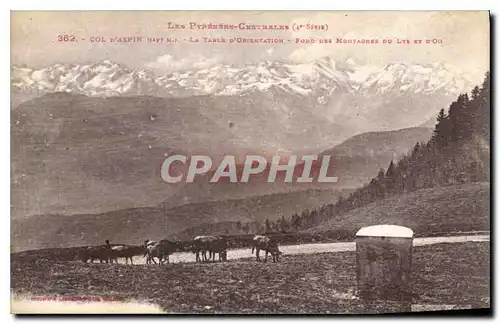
464,38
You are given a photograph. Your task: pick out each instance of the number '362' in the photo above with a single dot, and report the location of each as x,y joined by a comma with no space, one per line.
66,38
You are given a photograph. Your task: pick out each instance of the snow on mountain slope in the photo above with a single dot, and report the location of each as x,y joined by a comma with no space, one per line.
321,78
357,98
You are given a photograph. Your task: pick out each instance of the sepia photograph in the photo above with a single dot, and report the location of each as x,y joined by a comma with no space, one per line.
250,162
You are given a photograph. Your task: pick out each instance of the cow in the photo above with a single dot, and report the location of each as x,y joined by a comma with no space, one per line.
127,252
261,242
160,250
202,244
103,253
92,253
150,251
218,246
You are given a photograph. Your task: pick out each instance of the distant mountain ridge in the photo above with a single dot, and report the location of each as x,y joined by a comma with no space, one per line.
320,78
390,143
138,224
314,99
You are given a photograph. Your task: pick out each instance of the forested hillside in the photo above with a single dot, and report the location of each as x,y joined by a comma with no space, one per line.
457,153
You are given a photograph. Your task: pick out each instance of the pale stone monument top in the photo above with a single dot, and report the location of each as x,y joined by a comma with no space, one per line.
386,231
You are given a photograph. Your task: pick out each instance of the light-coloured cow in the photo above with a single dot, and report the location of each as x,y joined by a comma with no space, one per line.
127,252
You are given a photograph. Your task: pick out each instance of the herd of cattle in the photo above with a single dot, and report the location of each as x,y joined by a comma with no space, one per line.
206,248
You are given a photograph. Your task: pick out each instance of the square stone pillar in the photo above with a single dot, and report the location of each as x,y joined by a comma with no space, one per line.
383,256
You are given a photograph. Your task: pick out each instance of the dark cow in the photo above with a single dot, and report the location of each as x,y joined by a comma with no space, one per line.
200,245
261,242
210,244
160,250
102,253
127,252
219,246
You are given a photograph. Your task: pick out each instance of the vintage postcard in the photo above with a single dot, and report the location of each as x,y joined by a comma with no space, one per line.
250,162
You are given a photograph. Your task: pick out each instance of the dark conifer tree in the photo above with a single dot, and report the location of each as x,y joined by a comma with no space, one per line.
484,114
442,132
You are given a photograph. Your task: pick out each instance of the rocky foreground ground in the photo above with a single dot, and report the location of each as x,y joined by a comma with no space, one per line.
444,276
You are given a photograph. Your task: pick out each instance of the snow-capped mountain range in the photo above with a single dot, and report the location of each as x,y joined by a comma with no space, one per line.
266,107
319,79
